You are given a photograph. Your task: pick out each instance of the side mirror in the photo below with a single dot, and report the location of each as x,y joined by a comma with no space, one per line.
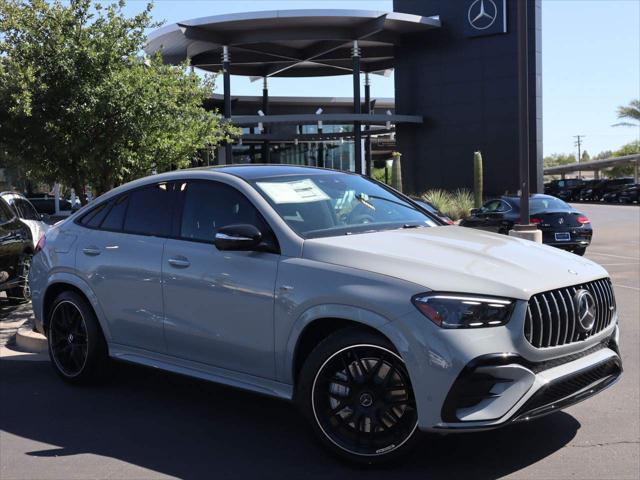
240,237
475,211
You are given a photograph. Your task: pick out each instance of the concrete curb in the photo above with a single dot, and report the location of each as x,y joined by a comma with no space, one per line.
30,341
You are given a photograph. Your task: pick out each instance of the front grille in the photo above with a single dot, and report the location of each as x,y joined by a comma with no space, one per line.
551,317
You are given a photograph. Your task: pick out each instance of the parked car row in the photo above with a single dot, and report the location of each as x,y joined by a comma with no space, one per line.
614,190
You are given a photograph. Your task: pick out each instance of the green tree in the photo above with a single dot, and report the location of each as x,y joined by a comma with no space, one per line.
585,157
80,106
629,112
625,169
558,159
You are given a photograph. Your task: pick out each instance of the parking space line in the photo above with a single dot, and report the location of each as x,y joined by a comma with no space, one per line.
612,264
614,256
626,286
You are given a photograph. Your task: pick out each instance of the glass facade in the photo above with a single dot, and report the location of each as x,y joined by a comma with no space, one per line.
338,153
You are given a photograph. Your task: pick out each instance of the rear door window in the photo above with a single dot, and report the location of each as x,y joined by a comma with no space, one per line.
115,217
149,211
94,218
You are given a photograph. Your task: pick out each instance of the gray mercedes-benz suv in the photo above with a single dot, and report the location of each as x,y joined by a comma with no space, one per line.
329,289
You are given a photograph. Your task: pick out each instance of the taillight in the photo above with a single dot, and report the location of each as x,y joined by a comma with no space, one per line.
535,220
41,243
582,219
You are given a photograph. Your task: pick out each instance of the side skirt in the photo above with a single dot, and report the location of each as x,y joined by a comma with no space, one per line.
203,371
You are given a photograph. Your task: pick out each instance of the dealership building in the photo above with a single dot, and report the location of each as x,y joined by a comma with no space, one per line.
455,67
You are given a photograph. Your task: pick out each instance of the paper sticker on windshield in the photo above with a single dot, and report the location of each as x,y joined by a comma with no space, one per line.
300,191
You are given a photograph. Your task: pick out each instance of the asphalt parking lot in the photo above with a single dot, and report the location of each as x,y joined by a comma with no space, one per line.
148,424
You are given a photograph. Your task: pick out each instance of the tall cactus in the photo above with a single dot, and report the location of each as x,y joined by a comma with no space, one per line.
477,179
396,172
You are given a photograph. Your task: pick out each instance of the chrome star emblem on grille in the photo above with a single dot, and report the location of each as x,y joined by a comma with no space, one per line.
585,306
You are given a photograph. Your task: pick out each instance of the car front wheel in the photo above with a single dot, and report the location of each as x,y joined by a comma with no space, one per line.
356,393
77,348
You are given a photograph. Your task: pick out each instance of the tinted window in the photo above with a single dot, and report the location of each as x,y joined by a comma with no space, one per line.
95,217
26,209
492,206
540,204
115,217
149,212
211,205
5,212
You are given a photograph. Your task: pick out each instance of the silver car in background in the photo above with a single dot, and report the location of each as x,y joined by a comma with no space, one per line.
27,214
331,290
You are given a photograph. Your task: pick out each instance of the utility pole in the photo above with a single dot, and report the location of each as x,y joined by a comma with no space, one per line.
578,143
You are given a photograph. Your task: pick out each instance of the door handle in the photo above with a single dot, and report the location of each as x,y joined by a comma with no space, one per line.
179,262
91,251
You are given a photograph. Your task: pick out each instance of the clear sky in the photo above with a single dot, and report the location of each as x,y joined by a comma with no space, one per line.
591,63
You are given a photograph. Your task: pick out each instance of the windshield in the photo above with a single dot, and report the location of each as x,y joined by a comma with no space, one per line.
547,203
330,204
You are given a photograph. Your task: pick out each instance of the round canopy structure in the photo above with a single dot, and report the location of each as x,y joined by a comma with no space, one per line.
289,43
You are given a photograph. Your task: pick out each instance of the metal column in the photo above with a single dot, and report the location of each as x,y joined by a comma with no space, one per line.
226,65
266,155
367,127
357,108
523,124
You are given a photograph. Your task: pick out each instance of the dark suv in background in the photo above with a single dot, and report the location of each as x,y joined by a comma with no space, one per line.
598,191
564,188
16,250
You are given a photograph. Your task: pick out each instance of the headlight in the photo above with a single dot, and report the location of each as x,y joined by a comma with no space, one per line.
464,311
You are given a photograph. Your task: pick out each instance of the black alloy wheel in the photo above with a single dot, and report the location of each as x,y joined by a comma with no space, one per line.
362,402
68,338
77,347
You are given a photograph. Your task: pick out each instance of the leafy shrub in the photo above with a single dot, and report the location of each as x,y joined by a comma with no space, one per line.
455,205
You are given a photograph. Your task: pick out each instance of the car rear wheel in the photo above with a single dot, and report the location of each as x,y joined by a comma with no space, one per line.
77,347
22,293
356,393
580,251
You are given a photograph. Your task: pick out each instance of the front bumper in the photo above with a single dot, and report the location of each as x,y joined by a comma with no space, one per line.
477,379
483,396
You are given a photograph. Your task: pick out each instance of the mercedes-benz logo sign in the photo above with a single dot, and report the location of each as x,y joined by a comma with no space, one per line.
482,14
585,306
561,221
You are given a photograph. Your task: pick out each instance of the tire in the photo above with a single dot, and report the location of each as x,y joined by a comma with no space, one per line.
356,394
22,293
77,348
580,251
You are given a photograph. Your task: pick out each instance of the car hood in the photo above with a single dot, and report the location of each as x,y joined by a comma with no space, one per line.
457,259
